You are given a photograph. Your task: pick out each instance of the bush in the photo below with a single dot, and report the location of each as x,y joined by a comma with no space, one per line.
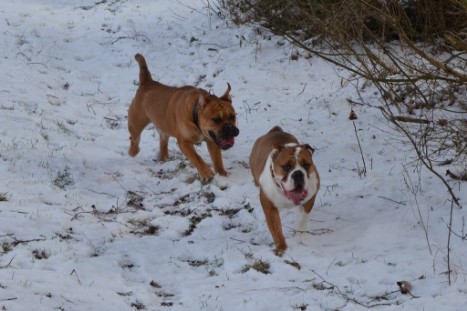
414,52
354,19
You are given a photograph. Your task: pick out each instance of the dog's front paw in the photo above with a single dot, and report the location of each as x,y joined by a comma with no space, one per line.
163,157
133,150
280,250
206,175
222,172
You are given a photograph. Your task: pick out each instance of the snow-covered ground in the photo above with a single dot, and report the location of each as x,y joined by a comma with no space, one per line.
83,226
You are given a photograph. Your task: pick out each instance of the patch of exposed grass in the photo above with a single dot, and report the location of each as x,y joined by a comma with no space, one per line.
138,305
163,294
6,247
143,227
258,265
198,263
134,200
41,254
195,220
294,264
155,284
230,226
210,265
63,127
4,196
63,179
301,307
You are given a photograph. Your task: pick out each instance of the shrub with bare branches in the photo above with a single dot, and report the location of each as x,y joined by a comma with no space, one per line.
414,52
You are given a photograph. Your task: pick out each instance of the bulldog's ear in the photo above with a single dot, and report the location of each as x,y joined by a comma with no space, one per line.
201,101
308,147
226,95
275,151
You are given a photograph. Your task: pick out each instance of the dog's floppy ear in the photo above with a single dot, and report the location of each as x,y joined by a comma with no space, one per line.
276,150
201,101
226,95
308,147
274,153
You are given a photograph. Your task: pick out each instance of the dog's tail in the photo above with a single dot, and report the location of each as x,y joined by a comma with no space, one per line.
144,74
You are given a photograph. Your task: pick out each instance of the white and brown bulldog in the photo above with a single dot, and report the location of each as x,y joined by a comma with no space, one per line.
189,114
287,177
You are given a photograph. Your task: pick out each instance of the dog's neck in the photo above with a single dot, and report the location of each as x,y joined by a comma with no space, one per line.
273,175
195,114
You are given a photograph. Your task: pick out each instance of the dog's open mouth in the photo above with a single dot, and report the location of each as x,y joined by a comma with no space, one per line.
224,143
297,195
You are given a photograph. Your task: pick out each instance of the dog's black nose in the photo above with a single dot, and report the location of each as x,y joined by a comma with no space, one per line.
230,130
298,178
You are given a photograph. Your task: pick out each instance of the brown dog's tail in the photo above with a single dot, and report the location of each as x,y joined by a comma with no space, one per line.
144,74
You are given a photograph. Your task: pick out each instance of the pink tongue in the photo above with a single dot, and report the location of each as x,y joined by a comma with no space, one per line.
296,196
228,141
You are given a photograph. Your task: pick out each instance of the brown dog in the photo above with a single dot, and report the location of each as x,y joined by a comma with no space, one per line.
287,177
189,114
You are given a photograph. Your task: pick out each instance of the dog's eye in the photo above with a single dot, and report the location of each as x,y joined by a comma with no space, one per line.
286,167
232,117
306,166
217,120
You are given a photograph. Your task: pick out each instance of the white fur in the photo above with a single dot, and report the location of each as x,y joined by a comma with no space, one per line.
302,220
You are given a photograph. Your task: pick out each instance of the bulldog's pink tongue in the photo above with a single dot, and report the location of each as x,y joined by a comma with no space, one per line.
296,196
227,142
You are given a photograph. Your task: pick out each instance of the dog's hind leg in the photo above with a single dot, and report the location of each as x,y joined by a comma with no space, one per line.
135,136
135,127
163,147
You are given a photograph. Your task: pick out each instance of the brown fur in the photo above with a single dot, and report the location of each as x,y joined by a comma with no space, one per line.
273,143
171,110
263,147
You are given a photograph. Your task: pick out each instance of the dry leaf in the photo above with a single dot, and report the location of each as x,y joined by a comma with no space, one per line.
404,286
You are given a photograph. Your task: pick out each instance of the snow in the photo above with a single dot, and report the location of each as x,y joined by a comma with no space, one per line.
83,226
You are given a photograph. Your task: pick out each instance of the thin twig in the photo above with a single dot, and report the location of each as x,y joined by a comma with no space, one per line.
303,90
411,120
389,199
413,190
420,155
360,147
348,298
449,242
9,263
76,274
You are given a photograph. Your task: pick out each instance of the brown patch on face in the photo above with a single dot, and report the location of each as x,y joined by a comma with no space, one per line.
218,120
305,158
284,161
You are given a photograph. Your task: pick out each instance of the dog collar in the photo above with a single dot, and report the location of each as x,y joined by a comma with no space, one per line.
195,114
274,177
